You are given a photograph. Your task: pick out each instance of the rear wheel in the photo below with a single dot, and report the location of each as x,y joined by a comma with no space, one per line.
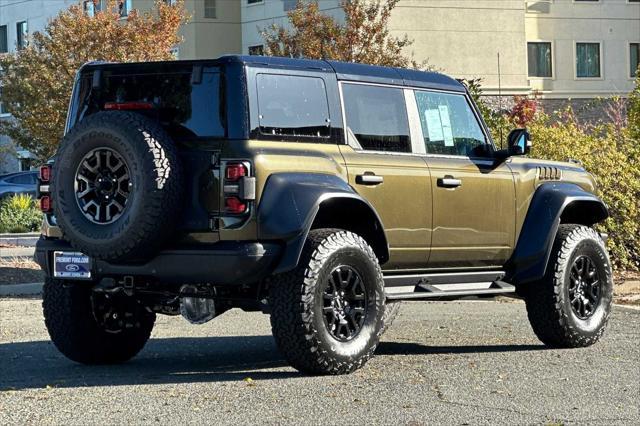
570,307
326,314
94,328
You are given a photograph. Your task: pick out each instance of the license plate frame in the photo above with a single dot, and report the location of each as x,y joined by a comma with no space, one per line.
71,265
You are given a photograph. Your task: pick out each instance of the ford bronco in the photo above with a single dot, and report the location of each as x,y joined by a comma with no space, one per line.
319,192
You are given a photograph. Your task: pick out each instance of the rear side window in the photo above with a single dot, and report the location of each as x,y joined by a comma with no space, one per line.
449,125
376,118
186,110
292,106
25,179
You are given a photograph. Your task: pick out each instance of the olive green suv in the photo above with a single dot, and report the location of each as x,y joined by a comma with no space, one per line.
319,192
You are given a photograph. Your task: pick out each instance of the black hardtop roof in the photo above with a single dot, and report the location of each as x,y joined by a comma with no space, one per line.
344,70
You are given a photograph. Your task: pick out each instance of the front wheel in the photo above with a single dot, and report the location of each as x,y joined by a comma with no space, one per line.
327,314
571,305
93,328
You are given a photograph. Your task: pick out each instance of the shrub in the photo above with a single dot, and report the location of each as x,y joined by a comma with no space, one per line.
610,151
19,213
612,157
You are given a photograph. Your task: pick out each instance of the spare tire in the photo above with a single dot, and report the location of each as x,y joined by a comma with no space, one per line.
116,186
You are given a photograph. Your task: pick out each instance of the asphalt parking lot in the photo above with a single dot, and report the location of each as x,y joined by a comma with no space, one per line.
447,363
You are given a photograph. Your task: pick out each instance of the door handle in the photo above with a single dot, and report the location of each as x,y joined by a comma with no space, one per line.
449,182
369,178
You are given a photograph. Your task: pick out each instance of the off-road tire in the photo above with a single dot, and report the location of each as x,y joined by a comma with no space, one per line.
297,323
154,203
391,310
69,318
548,307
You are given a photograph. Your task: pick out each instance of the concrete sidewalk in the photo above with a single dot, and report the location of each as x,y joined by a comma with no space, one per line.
28,239
11,252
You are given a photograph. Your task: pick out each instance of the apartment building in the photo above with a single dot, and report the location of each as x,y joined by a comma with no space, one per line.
567,51
561,48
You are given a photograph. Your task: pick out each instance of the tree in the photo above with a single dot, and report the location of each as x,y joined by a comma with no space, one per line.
363,37
37,81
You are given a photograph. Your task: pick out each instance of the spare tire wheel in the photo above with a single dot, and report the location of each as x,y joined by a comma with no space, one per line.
116,186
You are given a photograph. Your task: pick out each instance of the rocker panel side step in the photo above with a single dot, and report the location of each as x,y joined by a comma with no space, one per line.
450,291
442,278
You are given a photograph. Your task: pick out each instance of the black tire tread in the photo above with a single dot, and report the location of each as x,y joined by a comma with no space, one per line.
544,299
391,310
161,212
291,298
69,320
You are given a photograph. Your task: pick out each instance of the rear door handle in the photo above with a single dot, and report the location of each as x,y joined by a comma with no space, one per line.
449,182
369,179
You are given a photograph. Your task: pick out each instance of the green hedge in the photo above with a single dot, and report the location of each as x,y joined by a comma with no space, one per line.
19,213
609,150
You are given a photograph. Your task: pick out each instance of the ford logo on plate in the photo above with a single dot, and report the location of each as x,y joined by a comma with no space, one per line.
72,268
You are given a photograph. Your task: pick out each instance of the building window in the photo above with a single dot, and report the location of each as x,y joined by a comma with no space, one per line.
257,50
634,58
170,2
254,1
539,59
124,7
3,110
588,60
91,7
210,9
290,5
22,32
4,43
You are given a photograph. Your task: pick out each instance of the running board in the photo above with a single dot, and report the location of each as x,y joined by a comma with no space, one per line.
449,291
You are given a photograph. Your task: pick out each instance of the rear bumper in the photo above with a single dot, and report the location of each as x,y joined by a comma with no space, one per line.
224,263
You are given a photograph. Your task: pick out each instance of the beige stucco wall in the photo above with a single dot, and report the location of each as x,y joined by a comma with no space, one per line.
614,23
204,37
463,38
268,12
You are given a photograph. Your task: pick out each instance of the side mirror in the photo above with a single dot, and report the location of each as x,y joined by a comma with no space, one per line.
519,142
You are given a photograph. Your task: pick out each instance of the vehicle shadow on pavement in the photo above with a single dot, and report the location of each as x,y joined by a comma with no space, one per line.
28,365
409,348
32,365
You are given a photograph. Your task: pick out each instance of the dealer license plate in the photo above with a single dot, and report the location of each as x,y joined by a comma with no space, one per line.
73,265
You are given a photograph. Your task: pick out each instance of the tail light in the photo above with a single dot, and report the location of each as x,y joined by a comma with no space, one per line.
234,205
45,204
239,188
42,190
235,171
45,174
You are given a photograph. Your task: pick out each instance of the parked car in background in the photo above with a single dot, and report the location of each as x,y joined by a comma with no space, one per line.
18,183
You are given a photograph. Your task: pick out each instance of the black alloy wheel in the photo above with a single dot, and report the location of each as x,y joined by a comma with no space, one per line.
102,185
344,303
584,287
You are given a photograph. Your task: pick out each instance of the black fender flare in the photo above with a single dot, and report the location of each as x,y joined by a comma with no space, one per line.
289,205
551,202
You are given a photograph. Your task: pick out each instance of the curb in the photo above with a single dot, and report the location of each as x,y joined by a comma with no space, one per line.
31,289
24,239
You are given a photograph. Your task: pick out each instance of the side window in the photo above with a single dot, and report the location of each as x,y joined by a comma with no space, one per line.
449,125
292,106
376,118
24,179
